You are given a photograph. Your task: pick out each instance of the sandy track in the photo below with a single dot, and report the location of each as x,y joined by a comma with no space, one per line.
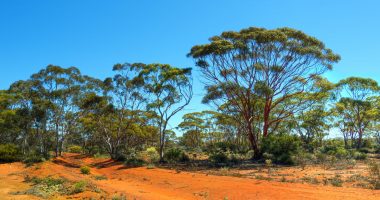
142,183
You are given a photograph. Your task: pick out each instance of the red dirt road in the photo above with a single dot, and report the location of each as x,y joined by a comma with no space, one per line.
142,183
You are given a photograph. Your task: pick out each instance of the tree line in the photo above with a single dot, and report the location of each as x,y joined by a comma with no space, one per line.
263,85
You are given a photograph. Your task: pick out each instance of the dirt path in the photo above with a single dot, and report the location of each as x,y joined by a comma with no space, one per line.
143,183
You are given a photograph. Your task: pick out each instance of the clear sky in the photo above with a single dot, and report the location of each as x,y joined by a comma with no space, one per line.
93,34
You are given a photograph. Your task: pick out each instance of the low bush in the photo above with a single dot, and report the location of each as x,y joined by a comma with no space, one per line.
282,147
78,187
46,187
75,149
176,155
33,158
9,153
374,171
219,157
336,181
152,155
85,170
134,162
359,155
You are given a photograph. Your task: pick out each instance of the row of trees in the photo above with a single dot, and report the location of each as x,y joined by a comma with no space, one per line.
261,83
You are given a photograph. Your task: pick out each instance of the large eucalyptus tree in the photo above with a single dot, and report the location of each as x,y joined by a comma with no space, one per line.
259,68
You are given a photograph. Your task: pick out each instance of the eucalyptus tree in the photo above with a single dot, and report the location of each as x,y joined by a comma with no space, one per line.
355,108
60,87
261,67
192,127
8,118
168,91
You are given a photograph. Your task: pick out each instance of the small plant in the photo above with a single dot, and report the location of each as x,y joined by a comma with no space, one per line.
311,180
78,187
121,197
150,166
336,181
100,177
374,171
85,170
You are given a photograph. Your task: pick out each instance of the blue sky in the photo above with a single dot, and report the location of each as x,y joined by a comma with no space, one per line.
94,35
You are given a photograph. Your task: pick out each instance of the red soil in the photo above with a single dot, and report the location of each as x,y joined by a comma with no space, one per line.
143,183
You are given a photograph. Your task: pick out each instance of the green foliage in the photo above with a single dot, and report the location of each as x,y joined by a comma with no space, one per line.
30,159
282,147
175,155
85,170
46,187
218,157
9,153
134,162
75,149
78,187
152,155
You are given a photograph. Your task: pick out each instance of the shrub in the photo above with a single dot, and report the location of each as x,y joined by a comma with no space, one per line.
9,153
75,149
282,147
176,155
78,187
134,162
218,157
85,170
336,181
152,154
359,156
374,171
45,187
33,158
100,177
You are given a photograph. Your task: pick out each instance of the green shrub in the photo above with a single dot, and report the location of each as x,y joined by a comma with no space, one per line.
176,155
75,149
359,156
152,154
336,181
282,147
33,158
374,171
85,170
78,187
134,162
9,153
218,157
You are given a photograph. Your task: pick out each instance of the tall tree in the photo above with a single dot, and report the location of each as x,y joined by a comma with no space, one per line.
259,66
168,90
355,108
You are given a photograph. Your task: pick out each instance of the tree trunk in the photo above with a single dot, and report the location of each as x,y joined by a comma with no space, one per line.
56,140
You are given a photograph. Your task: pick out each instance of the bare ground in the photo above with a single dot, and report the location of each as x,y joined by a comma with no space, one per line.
143,183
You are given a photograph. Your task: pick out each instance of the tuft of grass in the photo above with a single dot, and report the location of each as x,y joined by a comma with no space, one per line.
117,197
336,181
85,170
309,179
100,177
